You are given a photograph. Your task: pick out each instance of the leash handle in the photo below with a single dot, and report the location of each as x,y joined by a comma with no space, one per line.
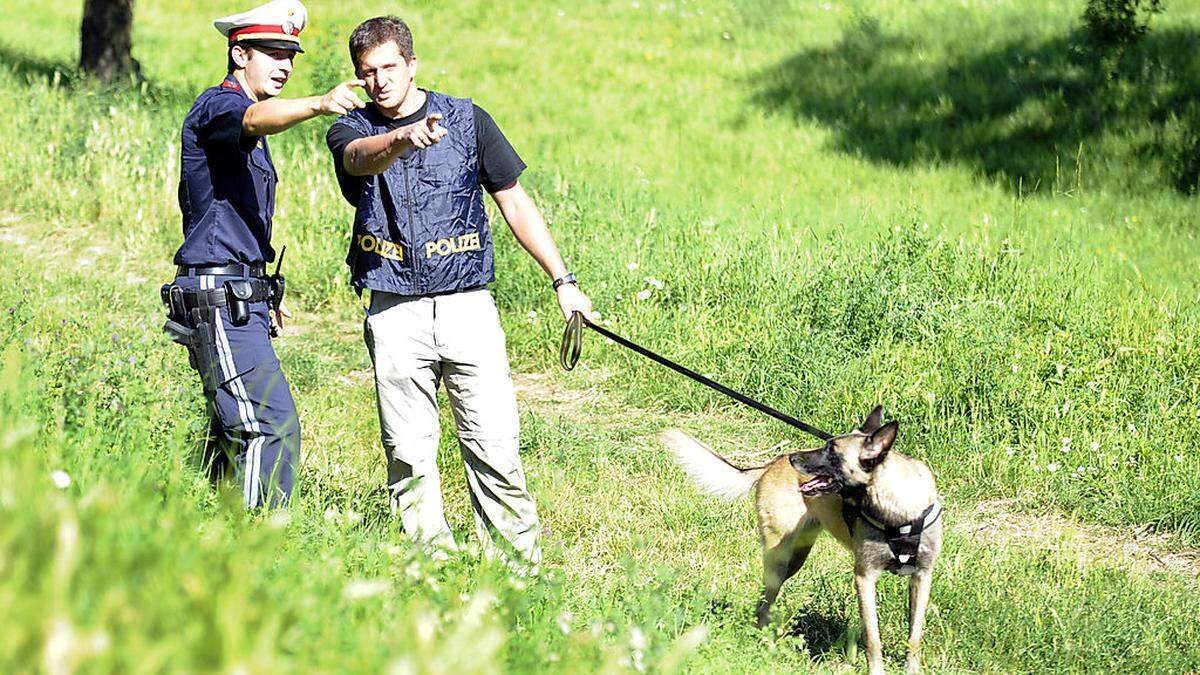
572,348
572,342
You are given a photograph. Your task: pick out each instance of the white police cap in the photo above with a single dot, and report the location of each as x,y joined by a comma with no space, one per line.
276,24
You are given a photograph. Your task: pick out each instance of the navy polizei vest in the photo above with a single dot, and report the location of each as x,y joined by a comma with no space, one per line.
420,226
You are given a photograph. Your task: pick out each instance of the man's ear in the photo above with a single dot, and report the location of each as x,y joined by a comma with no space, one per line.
240,55
878,444
412,67
874,421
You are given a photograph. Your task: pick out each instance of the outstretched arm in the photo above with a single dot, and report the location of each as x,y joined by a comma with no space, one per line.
374,154
530,229
279,114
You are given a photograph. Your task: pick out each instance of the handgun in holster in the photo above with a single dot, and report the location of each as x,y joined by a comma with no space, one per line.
194,329
177,315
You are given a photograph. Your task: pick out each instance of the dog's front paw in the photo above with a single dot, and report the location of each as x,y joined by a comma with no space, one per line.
763,614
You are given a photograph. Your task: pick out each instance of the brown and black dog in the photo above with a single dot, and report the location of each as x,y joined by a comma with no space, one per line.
879,504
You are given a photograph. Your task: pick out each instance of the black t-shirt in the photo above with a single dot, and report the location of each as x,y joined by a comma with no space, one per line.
499,163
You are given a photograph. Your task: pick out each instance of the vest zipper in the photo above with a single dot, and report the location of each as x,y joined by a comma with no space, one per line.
412,228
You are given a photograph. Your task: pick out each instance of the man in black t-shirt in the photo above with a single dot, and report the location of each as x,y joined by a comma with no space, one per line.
415,163
499,164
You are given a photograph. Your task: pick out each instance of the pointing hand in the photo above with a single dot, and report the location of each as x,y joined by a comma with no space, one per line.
424,133
341,99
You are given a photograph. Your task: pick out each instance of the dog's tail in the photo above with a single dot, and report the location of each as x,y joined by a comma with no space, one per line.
710,471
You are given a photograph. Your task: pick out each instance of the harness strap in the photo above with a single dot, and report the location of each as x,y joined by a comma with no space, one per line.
904,540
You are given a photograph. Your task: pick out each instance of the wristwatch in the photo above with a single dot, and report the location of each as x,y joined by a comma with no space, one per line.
568,278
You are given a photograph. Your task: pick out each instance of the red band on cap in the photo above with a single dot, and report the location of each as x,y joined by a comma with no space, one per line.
260,29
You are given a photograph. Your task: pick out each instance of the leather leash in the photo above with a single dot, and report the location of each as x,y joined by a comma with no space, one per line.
572,348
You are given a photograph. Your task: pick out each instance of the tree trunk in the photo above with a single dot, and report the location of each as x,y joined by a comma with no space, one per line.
107,39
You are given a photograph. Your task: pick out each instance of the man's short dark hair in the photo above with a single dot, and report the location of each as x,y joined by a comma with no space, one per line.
380,30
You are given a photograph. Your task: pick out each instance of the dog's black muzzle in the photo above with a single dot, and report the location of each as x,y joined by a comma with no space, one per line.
823,475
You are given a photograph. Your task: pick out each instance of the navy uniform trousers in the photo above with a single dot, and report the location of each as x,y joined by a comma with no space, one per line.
253,416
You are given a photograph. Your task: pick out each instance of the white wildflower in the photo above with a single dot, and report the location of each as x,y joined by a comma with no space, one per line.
61,479
361,589
1052,467
637,639
426,628
631,265
644,294
655,283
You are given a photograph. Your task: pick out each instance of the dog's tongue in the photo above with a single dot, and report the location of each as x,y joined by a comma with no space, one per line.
814,484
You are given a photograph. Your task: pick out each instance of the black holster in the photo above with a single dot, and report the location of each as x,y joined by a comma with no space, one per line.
194,328
202,353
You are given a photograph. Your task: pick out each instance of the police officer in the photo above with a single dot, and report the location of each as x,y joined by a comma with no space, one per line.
222,305
415,164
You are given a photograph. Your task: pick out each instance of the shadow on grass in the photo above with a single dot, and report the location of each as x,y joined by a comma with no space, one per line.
59,73
1031,111
821,630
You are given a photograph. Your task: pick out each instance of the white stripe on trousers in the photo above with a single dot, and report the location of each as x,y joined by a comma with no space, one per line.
252,484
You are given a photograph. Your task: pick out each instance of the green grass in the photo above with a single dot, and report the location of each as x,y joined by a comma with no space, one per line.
937,208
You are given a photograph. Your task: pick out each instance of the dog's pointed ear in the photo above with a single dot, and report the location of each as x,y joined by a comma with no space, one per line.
874,421
877,445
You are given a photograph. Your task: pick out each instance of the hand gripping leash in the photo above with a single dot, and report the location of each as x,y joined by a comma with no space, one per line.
572,348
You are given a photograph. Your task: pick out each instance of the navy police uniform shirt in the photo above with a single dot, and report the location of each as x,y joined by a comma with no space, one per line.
226,183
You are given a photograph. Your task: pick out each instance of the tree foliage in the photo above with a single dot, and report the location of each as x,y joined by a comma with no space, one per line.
1116,24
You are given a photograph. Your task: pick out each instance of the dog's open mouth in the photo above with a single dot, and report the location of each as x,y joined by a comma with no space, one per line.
816,485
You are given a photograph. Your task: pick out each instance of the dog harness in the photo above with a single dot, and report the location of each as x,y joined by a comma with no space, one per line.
903,540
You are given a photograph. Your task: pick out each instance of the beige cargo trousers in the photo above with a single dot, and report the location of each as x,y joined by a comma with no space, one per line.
416,343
